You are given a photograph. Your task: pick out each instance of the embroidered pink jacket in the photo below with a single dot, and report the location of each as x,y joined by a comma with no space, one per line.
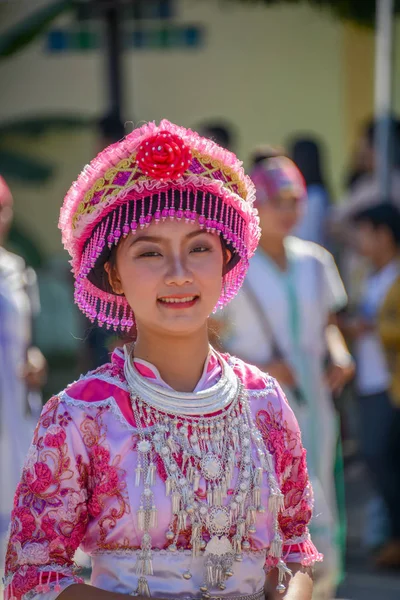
77,486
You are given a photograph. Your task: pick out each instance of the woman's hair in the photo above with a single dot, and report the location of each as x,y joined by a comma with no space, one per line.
385,215
306,153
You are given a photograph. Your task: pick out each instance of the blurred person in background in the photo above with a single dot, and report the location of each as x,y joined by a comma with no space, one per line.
363,161
283,320
362,191
219,132
389,331
263,152
22,366
306,154
362,183
378,240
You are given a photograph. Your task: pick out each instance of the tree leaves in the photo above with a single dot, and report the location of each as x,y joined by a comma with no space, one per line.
27,30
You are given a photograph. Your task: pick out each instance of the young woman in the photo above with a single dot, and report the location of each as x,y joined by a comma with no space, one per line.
180,471
283,320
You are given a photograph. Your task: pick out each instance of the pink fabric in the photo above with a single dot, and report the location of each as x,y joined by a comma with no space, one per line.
209,377
147,370
77,486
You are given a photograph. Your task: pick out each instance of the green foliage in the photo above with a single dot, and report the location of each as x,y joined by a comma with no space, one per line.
22,167
22,243
33,126
17,37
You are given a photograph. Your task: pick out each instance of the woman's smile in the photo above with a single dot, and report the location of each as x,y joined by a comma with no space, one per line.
178,302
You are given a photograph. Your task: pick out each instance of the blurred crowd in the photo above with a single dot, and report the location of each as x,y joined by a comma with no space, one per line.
320,311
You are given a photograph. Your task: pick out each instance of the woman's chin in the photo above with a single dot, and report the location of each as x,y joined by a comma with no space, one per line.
174,325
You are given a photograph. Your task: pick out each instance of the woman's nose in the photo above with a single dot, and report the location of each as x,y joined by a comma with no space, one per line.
178,272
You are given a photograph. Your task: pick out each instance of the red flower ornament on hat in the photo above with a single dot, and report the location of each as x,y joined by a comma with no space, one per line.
164,156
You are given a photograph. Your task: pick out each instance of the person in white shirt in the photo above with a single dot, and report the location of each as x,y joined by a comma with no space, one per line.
22,366
284,320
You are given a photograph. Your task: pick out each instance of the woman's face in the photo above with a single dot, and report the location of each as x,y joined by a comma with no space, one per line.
171,276
280,215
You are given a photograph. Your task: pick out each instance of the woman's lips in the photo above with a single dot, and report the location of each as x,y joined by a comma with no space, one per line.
178,301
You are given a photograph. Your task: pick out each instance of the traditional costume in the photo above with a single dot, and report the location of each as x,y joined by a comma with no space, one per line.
174,495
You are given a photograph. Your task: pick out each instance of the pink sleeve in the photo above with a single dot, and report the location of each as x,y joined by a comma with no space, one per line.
281,433
50,513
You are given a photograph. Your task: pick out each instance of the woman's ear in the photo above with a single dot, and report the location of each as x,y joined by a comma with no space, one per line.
113,278
227,256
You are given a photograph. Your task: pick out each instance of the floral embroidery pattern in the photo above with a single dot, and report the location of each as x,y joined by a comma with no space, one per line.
106,480
291,468
58,493
112,370
50,515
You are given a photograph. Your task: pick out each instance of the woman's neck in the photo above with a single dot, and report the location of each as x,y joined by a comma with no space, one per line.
274,247
179,360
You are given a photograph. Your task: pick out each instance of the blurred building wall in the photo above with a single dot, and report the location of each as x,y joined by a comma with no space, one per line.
271,72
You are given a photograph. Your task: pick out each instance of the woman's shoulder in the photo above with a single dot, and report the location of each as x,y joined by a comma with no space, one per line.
268,402
255,381
104,389
100,385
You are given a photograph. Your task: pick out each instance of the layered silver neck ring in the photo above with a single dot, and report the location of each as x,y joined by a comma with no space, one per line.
215,398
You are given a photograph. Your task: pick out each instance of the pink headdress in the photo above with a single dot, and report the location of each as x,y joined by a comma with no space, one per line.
275,175
155,173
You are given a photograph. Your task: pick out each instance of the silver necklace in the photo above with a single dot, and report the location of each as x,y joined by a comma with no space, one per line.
203,403
215,451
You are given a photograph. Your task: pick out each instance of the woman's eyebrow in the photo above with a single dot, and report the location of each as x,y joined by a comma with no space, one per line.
197,232
160,239
146,238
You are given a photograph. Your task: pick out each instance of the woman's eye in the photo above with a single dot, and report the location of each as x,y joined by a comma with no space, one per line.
200,249
149,254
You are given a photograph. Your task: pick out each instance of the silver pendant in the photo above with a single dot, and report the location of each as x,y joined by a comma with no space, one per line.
211,467
219,546
219,521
